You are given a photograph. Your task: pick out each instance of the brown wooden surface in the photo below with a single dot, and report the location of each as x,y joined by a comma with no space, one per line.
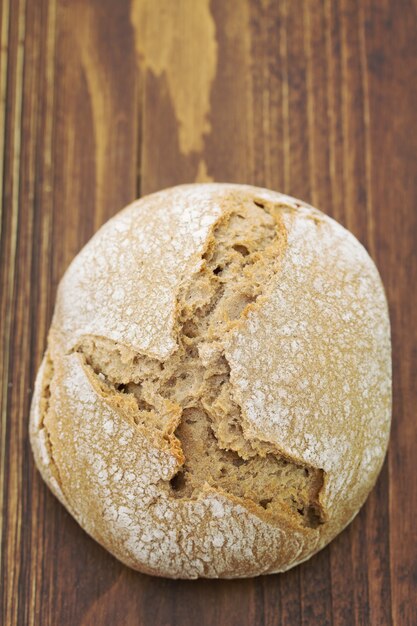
106,100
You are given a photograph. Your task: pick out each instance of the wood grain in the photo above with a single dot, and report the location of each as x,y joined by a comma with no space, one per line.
102,101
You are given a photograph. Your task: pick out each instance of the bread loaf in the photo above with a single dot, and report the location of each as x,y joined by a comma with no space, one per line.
215,398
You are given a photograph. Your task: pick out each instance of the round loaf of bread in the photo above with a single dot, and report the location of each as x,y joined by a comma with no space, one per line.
215,399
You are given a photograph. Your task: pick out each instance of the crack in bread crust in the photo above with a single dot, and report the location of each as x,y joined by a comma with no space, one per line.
189,398
42,433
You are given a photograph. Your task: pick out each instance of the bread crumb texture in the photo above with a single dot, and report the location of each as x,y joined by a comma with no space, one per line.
215,399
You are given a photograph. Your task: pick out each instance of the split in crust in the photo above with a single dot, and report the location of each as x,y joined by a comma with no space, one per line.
188,400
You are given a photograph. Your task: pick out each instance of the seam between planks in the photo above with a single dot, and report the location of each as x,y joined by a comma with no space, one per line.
311,149
370,222
10,281
331,107
283,48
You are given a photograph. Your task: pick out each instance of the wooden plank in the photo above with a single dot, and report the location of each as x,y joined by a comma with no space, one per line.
70,163
13,389
95,155
393,144
101,101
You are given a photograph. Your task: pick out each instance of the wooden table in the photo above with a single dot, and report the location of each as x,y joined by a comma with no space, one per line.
106,100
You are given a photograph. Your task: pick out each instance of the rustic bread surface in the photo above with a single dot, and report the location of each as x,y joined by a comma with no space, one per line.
215,399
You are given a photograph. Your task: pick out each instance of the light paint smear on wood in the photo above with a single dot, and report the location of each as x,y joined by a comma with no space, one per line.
202,175
188,58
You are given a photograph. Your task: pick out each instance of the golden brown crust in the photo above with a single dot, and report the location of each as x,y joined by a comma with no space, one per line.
309,368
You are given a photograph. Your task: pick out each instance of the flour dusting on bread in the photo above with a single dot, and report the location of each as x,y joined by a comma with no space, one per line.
215,399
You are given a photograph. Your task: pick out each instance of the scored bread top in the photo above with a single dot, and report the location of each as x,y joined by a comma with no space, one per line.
123,285
312,368
303,362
